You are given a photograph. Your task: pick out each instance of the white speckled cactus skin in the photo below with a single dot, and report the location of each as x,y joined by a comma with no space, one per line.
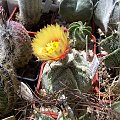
29,12
111,45
72,72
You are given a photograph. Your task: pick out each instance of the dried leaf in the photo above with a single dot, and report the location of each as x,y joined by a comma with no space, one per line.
26,92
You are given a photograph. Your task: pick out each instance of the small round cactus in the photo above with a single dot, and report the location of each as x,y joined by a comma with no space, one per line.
15,44
78,32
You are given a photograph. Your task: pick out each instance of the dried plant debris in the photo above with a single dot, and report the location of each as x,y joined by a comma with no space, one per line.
74,107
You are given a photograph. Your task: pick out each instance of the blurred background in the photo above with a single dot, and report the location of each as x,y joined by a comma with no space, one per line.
8,5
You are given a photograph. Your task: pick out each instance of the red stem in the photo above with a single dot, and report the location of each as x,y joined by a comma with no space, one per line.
40,75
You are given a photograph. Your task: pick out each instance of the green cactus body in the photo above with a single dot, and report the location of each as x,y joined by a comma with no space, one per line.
113,59
15,44
75,10
78,32
111,43
82,73
29,12
72,72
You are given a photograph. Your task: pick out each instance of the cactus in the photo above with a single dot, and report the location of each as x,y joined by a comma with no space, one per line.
8,88
29,12
15,51
102,12
111,43
15,44
75,10
72,72
78,32
113,59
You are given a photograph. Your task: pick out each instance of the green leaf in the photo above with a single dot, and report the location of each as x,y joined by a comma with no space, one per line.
116,106
74,24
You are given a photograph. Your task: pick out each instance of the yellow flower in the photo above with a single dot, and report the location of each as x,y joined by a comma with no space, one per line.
51,43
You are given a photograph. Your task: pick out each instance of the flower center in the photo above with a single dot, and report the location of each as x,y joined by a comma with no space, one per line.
52,46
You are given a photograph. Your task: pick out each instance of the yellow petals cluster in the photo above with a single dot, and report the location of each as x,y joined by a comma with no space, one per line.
51,43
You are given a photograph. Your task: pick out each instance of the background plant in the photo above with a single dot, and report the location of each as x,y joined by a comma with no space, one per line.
105,13
29,12
79,33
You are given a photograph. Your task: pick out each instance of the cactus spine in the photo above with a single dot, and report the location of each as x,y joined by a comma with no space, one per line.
78,32
29,12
